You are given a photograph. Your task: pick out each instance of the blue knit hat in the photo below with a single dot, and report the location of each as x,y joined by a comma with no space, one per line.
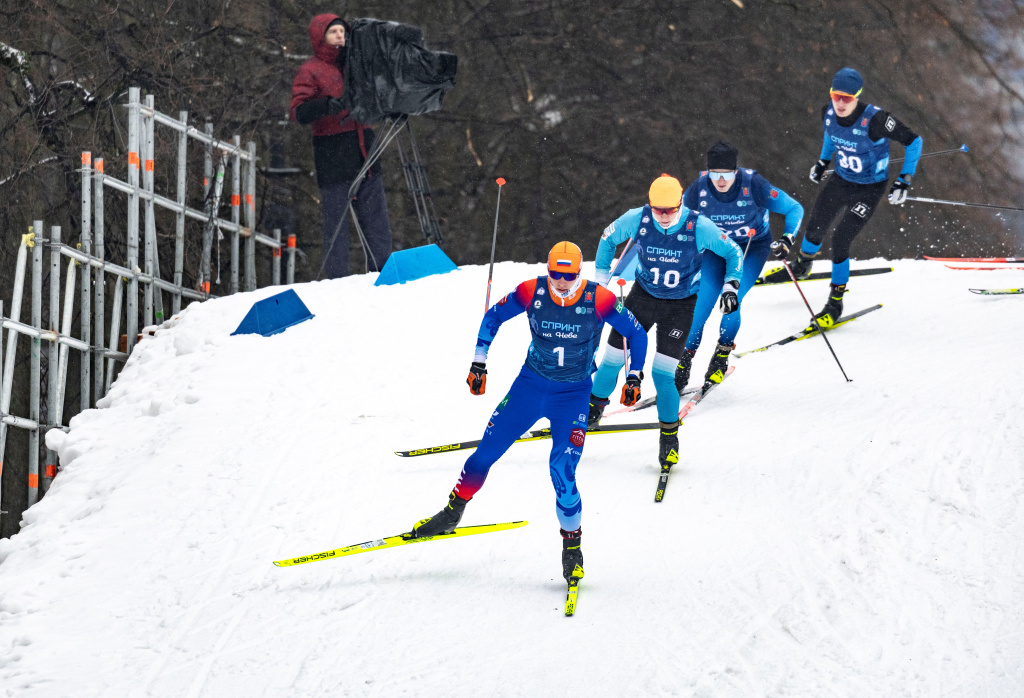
848,81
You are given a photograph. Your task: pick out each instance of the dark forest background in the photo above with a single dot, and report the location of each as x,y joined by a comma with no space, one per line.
578,104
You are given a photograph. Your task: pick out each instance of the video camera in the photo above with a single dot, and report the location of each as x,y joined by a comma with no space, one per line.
389,72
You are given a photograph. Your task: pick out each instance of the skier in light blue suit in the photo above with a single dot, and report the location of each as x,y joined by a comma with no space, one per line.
671,241
738,202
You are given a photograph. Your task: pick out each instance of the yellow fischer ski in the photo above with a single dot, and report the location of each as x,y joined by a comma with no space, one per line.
574,590
395,541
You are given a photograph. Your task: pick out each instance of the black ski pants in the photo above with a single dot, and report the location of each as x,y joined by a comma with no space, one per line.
672,316
856,202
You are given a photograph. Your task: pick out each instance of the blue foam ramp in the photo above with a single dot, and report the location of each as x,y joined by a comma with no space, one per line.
275,314
414,263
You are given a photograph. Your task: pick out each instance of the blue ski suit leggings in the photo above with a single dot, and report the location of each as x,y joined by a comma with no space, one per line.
532,397
712,276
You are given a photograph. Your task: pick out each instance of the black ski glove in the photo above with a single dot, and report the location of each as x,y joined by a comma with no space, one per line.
477,378
782,246
334,105
631,390
898,192
818,171
729,302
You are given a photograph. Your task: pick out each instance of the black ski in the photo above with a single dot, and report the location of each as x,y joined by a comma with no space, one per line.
809,332
997,291
772,278
659,494
535,435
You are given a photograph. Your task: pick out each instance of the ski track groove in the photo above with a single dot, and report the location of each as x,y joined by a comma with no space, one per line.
199,682
206,594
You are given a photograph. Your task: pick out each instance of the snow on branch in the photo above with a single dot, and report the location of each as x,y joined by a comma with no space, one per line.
16,59
30,167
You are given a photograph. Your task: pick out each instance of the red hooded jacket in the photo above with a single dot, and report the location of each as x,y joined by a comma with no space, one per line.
321,77
339,142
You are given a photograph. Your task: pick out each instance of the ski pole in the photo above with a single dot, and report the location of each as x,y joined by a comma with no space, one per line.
821,331
750,237
622,258
625,343
962,203
494,243
961,149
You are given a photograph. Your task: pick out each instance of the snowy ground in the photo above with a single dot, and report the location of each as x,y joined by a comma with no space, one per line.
818,538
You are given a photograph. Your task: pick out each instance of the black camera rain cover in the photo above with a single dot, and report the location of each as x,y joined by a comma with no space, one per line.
390,72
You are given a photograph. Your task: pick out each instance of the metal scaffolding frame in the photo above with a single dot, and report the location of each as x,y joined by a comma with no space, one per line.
131,281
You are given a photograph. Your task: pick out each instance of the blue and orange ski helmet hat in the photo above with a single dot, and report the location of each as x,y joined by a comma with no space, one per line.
565,257
666,192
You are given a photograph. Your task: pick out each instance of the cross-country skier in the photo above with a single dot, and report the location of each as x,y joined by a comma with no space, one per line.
738,202
858,133
670,241
567,314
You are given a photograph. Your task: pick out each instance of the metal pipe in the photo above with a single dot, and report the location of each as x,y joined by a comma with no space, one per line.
73,253
209,211
179,227
57,418
132,317
149,228
54,394
85,378
10,355
290,271
268,241
35,344
1,389
250,218
236,195
275,260
195,214
29,331
115,331
21,422
155,294
99,281
192,131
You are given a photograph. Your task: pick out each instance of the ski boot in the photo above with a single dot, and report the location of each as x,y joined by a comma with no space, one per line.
597,405
833,309
801,270
572,556
668,444
683,369
444,521
719,364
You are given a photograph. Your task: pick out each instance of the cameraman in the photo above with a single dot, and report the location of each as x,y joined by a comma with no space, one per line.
340,145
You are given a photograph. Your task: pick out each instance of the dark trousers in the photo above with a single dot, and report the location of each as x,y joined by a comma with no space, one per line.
856,203
673,316
372,210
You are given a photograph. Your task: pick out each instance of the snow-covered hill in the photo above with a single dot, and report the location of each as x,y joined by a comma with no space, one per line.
818,538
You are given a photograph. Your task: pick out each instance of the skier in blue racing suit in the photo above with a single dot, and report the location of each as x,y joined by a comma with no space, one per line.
858,135
738,202
567,314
